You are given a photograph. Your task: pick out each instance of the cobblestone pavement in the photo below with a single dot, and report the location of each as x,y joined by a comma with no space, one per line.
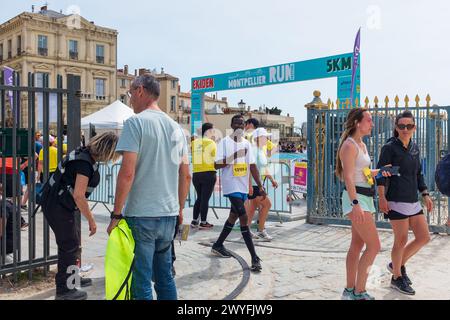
302,262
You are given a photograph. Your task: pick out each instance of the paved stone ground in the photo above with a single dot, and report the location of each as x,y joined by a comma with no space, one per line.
302,262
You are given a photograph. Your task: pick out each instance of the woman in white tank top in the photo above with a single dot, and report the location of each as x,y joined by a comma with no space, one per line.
352,158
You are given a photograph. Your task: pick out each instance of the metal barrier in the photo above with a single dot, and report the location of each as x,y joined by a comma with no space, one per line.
105,191
281,172
325,126
20,251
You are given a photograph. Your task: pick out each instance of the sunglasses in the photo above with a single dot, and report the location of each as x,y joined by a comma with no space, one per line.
406,126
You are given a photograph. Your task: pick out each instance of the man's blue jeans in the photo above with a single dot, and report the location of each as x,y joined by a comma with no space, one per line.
153,257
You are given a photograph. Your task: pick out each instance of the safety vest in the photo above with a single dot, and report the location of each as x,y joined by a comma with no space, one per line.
64,188
119,261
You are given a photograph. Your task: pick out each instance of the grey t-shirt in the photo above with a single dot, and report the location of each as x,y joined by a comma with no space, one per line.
160,144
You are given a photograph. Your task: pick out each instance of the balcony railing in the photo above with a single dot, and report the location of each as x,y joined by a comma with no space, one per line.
73,55
100,97
43,51
100,59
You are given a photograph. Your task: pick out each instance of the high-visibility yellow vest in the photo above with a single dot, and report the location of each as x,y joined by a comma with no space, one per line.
119,261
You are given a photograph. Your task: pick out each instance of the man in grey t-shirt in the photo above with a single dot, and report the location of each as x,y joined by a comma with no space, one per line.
154,180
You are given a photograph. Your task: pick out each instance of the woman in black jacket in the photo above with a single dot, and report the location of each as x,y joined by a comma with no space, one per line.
400,201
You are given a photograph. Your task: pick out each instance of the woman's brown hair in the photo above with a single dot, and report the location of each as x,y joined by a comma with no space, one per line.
354,117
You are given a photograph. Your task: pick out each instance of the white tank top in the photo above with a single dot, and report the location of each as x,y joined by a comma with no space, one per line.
362,161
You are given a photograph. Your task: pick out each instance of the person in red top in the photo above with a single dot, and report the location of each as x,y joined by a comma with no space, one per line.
9,174
9,182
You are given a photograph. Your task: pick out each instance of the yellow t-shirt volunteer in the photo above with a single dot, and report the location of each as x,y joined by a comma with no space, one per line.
52,158
203,155
64,148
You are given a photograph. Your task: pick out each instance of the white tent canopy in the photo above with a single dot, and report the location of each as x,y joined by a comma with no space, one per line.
111,117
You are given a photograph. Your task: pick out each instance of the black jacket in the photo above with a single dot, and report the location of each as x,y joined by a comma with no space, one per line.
402,188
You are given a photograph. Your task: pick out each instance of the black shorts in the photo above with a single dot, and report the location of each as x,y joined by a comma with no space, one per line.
394,215
255,194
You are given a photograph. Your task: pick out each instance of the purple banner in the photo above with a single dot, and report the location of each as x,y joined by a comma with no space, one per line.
9,82
355,63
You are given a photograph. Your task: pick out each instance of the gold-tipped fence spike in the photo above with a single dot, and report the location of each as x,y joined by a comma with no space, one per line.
332,105
356,102
347,103
366,102
338,104
406,101
386,102
428,100
396,100
417,99
375,100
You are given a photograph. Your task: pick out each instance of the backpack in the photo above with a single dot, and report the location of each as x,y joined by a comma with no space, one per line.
442,175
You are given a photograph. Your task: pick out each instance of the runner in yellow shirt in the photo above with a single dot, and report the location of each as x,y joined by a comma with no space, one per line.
204,175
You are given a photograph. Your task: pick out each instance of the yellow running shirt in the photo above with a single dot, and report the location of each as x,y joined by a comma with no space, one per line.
203,155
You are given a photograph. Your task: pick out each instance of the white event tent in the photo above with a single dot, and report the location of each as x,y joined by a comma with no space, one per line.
110,118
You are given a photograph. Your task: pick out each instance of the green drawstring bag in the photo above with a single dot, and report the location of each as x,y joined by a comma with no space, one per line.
119,261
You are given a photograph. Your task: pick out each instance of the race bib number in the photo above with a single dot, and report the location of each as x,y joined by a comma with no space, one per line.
240,169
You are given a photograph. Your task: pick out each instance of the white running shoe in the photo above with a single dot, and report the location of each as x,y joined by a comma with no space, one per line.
263,235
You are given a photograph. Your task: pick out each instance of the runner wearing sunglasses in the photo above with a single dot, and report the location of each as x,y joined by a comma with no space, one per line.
398,199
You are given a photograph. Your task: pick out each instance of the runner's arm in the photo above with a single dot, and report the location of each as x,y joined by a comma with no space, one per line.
184,181
81,184
229,160
348,154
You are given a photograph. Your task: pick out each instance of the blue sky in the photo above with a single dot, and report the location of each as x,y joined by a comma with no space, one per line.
404,44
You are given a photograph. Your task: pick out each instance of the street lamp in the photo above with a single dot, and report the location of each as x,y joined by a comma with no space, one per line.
241,105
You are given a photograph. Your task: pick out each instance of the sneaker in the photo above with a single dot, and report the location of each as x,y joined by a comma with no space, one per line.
263,235
256,264
73,294
221,251
402,286
206,225
194,224
362,296
403,271
347,294
254,235
85,282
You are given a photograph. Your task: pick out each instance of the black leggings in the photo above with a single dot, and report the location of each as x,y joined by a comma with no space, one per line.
204,186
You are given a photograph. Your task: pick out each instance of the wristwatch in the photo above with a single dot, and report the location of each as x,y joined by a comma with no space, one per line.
116,216
355,202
